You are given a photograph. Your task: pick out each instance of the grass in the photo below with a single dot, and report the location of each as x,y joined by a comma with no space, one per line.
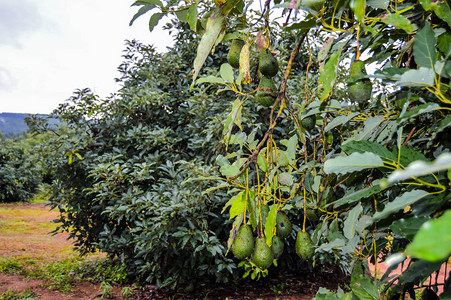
31,252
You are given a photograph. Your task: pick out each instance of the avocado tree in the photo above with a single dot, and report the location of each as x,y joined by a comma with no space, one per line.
349,146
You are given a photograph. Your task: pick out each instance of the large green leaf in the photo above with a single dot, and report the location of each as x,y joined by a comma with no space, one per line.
420,168
351,221
367,146
358,7
399,22
270,224
355,196
421,109
433,240
328,75
424,47
141,11
442,10
352,163
238,204
416,77
154,19
337,121
214,27
407,228
399,203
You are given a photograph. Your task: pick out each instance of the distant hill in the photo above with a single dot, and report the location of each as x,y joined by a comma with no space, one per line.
12,123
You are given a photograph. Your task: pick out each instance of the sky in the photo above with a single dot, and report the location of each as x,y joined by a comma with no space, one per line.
50,48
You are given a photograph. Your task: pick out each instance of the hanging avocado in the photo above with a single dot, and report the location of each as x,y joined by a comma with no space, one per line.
262,255
277,246
233,57
267,63
359,90
267,91
244,243
283,225
429,294
308,123
304,245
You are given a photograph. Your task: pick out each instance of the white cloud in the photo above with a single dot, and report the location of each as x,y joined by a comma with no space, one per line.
75,44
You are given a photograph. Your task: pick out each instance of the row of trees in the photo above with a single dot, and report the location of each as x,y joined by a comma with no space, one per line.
163,175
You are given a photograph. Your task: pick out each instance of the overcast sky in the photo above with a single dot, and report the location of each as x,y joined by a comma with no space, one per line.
49,48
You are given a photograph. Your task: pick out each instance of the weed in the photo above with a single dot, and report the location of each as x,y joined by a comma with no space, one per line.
107,289
12,295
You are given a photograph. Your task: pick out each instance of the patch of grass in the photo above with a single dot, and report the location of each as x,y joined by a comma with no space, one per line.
12,295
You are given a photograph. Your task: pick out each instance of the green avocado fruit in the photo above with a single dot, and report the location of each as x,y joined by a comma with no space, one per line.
262,255
429,294
304,245
267,63
283,225
308,123
276,247
244,243
267,91
233,56
360,90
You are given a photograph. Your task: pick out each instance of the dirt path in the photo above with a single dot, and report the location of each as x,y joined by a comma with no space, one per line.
24,236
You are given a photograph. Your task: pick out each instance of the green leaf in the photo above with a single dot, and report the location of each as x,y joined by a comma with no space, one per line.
359,194
399,203
210,79
154,19
214,27
420,168
235,226
381,4
418,271
367,146
409,155
426,4
399,22
238,204
351,221
337,121
192,17
261,161
352,163
421,109
270,224
433,240
328,75
416,77
286,179
445,123
302,25
407,228
358,7
226,72
291,149
371,124
141,11
442,10
154,2
364,288
424,47
229,170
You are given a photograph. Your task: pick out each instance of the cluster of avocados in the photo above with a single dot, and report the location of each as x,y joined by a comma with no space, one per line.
260,253
267,67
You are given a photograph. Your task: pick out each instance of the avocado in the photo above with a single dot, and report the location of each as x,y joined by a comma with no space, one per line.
267,63
304,245
267,91
262,255
244,242
308,123
233,57
276,247
283,225
359,90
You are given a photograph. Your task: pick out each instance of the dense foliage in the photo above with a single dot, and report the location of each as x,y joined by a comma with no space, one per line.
121,167
20,173
367,176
